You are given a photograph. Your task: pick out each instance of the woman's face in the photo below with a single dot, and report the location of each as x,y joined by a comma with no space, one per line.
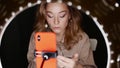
57,16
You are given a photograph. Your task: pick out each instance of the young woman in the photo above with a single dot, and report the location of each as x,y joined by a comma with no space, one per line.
73,44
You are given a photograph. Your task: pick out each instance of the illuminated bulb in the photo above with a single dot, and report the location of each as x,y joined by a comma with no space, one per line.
88,12
101,26
21,8
112,61
38,2
48,1
116,4
106,34
110,43
29,4
1,27
79,7
6,20
118,58
69,3
95,19
13,13
112,52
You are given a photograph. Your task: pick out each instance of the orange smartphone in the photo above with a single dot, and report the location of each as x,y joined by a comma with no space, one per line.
46,51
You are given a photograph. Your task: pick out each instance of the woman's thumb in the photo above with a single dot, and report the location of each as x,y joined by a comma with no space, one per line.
75,57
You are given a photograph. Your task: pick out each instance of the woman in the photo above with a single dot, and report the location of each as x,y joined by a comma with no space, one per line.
73,44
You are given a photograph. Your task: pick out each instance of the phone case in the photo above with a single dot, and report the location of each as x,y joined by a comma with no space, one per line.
45,43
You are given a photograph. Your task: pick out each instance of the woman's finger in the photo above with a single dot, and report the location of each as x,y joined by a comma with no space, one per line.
64,59
75,57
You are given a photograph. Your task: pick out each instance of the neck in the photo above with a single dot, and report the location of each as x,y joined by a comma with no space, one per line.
60,37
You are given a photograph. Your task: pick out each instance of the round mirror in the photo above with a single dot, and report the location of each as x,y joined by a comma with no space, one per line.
14,38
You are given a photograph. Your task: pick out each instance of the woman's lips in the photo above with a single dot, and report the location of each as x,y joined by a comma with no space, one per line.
56,27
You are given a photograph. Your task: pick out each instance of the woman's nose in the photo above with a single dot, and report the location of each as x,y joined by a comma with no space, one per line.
56,21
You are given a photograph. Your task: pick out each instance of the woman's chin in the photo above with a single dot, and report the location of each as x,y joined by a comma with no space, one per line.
56,31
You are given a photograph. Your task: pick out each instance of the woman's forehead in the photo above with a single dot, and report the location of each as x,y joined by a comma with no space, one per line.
56,7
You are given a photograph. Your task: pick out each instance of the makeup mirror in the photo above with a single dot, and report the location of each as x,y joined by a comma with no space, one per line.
14,38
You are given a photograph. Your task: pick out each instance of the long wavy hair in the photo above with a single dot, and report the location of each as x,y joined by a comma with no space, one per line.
73,30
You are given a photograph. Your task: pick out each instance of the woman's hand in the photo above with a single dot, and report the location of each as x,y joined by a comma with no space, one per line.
64,62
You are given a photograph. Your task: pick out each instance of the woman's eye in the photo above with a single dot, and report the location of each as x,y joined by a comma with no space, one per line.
50,16
61,16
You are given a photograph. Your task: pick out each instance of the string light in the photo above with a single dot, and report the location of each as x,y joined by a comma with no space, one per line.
118,58
13,13
110,43
1,27
112,52
88,12
21,8
38,2
112,61
69,3
95,19
79,7
116,4
6,20
48,1
29,4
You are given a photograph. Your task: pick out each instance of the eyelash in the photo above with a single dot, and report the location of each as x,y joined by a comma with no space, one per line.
50,16
62,16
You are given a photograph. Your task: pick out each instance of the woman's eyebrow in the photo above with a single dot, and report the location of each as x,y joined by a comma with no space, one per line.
48,11
59,12
62,11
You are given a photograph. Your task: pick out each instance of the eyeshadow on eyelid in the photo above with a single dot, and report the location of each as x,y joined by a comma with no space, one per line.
62,14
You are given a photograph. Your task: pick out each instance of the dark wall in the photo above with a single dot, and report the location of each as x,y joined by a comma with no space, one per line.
15,40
